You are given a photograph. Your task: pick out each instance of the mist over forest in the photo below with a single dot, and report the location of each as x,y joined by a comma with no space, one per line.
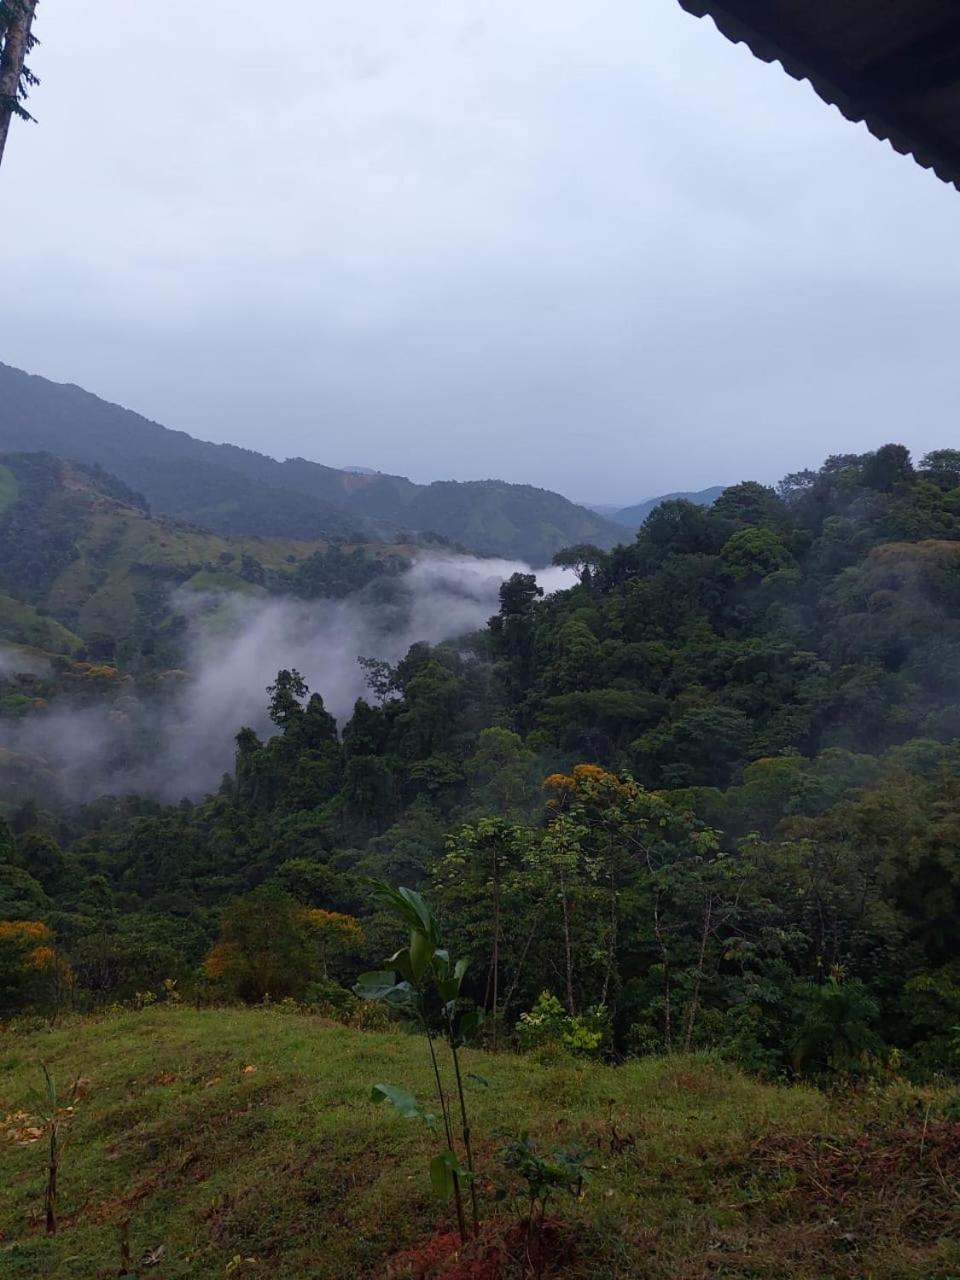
178,742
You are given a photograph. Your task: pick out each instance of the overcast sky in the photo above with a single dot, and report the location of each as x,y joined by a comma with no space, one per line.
587,244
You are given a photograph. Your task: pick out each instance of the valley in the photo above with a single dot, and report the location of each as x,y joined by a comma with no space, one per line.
408,872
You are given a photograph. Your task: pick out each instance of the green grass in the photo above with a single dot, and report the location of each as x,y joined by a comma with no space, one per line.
291,1165
21,624
210,580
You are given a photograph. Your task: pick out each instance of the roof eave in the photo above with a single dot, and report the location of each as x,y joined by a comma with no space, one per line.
905,138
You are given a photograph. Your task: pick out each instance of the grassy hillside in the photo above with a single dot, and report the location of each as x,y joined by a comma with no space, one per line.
21,624
243,1141
8,488
237,491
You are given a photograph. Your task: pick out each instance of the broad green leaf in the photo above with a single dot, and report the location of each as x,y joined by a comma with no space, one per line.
420,909
405,1103
403,1100
394,901
444,1168
383,985
468,1025
403,962
451,984
376,984
441,1176
403,997
408,906
421,953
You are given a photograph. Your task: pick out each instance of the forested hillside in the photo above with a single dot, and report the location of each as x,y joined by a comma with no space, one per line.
237,491
706,798
86,570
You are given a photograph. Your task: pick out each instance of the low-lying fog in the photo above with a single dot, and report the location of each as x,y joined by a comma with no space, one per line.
236,645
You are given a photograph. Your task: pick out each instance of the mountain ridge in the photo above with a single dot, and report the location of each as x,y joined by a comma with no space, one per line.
233,490
632,517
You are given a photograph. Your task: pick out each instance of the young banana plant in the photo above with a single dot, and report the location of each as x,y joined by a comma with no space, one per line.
424,982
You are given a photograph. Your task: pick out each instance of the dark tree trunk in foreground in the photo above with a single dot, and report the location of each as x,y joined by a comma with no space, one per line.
16,20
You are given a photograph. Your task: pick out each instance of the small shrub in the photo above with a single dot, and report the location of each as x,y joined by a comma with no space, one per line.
548,1025
836,1035
330,999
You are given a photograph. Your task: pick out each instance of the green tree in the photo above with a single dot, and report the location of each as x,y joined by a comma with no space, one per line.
503,772
583,558
750,505
265,948
837,1029
8,852
754,554
888,467
580,662
41,856
943,465
286,695
484,887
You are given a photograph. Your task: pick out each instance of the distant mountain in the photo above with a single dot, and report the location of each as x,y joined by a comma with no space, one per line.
633,517
602,508
237,491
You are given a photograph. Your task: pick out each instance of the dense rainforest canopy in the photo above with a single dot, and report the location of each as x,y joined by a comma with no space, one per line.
708,796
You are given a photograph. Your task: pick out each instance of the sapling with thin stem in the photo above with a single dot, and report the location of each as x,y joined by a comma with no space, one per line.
53,1118
422,977
563,1171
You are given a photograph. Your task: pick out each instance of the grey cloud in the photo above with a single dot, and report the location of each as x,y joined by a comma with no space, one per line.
589,246
15,662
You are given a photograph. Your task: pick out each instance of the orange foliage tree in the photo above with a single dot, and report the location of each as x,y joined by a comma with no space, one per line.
33,973
272,946
336,934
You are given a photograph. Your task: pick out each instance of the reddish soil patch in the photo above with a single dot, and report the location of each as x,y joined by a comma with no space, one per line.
500,1253
907,1171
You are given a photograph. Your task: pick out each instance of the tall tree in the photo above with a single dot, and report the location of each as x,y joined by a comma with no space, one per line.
16,78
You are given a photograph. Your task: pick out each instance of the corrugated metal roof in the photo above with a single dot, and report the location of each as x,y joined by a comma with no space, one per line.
892,64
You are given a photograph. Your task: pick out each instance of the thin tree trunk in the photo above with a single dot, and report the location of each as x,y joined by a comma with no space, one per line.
496,948
464,1123
665,962
667,1007
15,44
612,945
520,963
126,1261
567,948
457,1194
698,976
665,959
50,1199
